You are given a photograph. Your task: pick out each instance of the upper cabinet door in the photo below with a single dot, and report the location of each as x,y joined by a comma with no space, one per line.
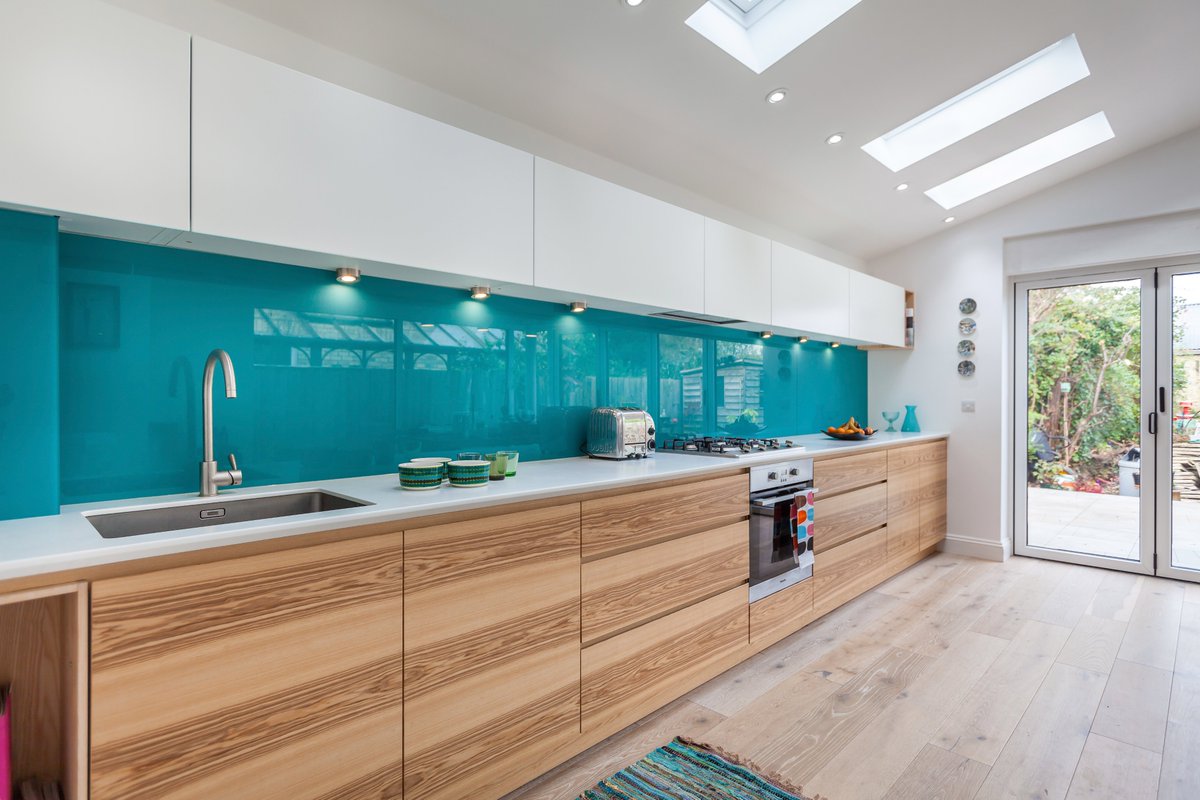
809,293
95,105
737,273
876,310
601,240
283,158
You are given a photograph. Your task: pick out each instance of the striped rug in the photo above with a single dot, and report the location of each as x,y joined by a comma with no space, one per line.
687,770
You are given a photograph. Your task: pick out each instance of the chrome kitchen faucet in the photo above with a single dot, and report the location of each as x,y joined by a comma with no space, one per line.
211,479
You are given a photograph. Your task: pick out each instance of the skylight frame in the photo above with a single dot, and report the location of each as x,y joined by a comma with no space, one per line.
1024,161
1014,89
770,31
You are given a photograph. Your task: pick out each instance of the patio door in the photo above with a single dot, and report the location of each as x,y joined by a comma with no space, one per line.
1108,421
1086,420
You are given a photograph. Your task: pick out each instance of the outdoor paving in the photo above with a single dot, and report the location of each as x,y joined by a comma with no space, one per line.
1105,524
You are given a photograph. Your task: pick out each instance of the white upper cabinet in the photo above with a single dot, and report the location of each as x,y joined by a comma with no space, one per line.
95,107
283,158
737,273
809,293
599,239
876,310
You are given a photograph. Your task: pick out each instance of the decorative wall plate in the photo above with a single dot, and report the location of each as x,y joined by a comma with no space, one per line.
966,348
967,305
966,368
966,326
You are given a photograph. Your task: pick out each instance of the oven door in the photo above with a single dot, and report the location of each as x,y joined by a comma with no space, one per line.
780,540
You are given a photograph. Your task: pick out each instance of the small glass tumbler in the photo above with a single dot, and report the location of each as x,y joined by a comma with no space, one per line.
499,465
512,457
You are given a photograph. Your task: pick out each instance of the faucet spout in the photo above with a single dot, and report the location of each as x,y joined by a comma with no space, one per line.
210,477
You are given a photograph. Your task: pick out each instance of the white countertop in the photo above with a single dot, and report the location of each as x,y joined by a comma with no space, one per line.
66,541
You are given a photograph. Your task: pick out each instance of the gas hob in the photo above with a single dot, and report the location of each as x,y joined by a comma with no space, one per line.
727,446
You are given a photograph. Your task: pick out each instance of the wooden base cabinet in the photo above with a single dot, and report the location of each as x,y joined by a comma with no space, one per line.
781,614
903,504
491,638
933,493
275,675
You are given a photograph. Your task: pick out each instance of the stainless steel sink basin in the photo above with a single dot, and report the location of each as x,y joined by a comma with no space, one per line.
217,511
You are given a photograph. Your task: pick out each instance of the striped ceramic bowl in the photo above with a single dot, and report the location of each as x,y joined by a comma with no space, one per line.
420,476
441,462
468,474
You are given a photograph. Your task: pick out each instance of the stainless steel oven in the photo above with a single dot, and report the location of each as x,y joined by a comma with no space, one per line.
781,526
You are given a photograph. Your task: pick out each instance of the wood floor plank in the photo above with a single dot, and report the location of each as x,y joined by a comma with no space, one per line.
1134,707
1112,769
803,748
981,724
937,774
1072,598
870,763
1018,605
1093,644
1040,757
1116,596
1153,631
1180,776
754,728
570,779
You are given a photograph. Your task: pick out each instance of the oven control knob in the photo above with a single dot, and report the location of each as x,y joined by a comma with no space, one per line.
793,472
772,476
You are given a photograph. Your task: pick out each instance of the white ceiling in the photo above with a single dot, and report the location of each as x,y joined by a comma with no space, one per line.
640,87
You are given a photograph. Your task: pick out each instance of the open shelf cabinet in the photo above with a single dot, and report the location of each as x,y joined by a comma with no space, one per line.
44,657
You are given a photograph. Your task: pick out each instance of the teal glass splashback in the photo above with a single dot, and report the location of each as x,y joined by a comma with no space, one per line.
29,354
337,381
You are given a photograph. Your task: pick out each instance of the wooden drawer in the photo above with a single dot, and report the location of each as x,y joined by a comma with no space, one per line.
636,672
491,651
840,518
844,572
781,614
635,519
850,472
626,590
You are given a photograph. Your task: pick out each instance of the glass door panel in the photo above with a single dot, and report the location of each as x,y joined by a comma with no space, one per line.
1179,457
1082,493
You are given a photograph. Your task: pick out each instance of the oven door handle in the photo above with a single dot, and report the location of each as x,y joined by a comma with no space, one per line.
771,502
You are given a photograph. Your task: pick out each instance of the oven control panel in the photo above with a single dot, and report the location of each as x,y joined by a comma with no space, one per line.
784,473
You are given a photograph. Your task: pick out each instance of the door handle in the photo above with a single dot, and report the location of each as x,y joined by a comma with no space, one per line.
1162,399
1152,423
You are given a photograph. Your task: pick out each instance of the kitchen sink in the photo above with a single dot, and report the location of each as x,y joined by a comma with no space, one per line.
217,511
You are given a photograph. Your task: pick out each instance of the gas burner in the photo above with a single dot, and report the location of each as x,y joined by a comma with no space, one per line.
726,446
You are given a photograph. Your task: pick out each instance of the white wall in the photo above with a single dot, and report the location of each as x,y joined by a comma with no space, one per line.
968,260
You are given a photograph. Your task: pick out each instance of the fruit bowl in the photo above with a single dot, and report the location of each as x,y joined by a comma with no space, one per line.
849,437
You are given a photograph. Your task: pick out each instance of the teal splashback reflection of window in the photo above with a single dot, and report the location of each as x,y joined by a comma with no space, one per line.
337,381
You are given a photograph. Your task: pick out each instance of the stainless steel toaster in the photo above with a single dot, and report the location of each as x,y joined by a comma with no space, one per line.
620,433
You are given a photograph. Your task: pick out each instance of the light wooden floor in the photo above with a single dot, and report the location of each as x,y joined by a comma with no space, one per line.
958,679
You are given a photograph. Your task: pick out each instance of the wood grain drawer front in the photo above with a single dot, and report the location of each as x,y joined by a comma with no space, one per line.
849,472
844,572
626,590
933,493
781,614
491,651
904,503
843,517
636,672
282,672
624,522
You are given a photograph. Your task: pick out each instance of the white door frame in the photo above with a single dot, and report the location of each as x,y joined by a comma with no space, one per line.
1145,563
1164,379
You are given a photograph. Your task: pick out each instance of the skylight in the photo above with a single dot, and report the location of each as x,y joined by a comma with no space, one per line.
1002,95
760,32
1023,161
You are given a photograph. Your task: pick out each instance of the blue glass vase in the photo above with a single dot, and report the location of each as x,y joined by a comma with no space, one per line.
910,420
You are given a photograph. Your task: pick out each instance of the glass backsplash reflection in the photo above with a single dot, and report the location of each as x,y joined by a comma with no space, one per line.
338,381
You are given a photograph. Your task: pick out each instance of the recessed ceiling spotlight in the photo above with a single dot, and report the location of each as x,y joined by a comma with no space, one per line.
902,187
631,3
776,96
835,138
578,307
948,219
480,292
348,275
